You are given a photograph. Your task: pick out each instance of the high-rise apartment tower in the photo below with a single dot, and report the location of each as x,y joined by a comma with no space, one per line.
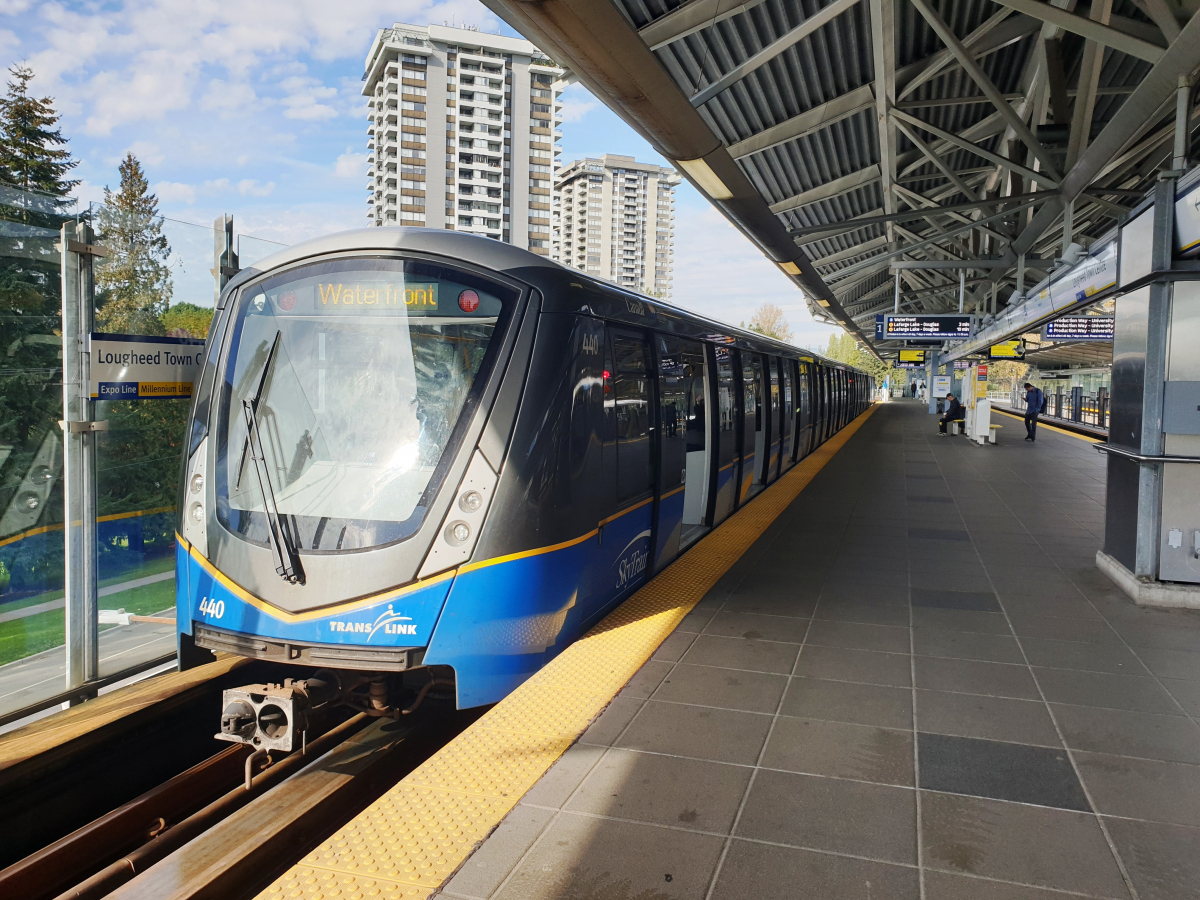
617,221
463,132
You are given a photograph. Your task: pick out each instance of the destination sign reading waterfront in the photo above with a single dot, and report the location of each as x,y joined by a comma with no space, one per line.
928,327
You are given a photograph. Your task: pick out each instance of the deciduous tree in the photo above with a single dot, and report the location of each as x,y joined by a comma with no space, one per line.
770,320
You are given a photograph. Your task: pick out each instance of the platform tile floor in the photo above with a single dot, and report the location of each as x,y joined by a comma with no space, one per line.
916,685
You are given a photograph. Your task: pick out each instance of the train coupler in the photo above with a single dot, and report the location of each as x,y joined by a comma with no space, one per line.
277,716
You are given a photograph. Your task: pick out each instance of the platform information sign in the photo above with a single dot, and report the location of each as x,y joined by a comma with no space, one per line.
928,327
144,367
1080,328
1014,349
941,386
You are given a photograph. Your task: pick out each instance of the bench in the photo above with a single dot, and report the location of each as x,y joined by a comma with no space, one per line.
992,429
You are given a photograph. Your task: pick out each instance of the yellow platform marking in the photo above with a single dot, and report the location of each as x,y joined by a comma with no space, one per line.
1042,424
413,838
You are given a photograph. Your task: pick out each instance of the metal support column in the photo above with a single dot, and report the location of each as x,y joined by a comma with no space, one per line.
225,260
896,304
931,369
79,457
1182,97
1020,276
1157,327
1068,222
962,288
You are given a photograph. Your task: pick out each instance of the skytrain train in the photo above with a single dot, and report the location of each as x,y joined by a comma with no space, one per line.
417,457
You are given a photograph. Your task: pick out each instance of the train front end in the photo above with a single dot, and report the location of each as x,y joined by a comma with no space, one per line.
332,479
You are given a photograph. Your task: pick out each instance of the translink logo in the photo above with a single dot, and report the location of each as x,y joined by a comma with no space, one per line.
390,622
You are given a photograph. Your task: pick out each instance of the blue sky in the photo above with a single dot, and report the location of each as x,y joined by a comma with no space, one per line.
254,109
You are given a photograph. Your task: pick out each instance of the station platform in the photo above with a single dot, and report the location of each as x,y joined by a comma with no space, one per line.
908,681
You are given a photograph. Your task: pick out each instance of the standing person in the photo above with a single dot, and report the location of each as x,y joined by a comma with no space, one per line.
913,390
1033,406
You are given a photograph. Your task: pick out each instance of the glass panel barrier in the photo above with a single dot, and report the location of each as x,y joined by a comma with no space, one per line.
164,288
252,249
32,653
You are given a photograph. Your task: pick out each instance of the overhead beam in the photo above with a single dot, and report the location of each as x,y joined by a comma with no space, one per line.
1160,13
999,263
772,50
690,17
947,36
883,48
842,185
937,161
1159,86
1088,28
806,123
955,140
912,214
1089,81
953,232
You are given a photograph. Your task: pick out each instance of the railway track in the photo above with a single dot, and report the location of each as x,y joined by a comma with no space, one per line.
228,825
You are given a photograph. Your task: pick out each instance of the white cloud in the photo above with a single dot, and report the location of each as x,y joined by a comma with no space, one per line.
248,187
85,192
147,152
224,95
350,165
174,192
578,101
14,7
720,274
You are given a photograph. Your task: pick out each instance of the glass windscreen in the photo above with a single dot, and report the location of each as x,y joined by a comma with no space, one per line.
354,376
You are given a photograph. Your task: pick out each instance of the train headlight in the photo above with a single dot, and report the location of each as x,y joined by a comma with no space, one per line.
457,533
196,513
471,501
197,483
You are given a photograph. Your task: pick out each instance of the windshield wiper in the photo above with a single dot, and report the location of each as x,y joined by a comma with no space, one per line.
283,544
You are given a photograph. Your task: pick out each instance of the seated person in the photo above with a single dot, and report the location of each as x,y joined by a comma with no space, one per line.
954,413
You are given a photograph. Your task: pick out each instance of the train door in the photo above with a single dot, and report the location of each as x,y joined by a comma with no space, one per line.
803,410
724,479
754,433
787,416
682,448
774,432
624,538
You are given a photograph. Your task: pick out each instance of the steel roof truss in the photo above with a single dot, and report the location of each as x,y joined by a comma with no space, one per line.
938,24
1003,162
1089,28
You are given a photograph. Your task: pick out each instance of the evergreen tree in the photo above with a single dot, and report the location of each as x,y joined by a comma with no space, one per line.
33,154
133,284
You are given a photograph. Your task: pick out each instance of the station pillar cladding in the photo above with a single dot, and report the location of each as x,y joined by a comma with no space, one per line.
1152,523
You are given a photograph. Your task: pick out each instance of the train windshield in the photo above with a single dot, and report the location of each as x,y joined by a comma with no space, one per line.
347,386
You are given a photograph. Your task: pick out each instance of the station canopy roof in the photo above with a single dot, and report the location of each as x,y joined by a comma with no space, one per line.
844,136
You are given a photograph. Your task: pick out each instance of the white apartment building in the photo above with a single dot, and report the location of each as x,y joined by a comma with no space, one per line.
462,133
617,221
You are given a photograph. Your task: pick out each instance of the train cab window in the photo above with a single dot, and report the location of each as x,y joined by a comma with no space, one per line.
727,443
754,435
683,440
358,378
631,396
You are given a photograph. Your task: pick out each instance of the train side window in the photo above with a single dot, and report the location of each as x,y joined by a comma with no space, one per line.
631,396
787,415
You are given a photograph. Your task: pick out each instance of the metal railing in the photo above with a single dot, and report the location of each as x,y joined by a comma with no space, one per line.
1071,405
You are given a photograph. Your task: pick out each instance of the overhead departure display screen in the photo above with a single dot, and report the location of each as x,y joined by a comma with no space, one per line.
913,356
1079,328
928,327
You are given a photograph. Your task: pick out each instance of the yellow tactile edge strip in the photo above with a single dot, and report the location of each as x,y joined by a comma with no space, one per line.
1042,424
413,838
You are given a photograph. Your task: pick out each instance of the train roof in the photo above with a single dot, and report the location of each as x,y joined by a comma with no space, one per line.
522,264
